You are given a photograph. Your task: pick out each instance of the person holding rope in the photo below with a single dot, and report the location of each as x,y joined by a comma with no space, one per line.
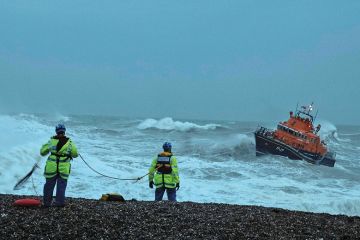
57,169
164,174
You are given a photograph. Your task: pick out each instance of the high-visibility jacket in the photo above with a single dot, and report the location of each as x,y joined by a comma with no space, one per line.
164,171
62,150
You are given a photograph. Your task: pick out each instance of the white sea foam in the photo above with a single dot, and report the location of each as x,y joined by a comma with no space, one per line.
215,166
18,130
327,128
61,118
23,137
169,124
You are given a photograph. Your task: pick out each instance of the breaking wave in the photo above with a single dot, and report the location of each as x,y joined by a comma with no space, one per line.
61,118
20,129
20,147
327,129
169,124
213,158
236,146
329,132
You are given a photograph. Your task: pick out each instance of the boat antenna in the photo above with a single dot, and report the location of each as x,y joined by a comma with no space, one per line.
317,110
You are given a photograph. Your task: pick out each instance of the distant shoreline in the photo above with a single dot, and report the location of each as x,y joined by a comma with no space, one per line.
92,219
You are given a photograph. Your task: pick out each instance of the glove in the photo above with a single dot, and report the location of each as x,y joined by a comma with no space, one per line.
151,184
177,186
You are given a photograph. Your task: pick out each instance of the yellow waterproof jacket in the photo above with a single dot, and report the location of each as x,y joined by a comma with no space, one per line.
164,171
62,150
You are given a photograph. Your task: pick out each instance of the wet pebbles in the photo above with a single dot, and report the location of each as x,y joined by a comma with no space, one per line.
92,219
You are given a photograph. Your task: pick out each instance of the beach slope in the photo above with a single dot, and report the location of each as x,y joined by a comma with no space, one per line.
92,219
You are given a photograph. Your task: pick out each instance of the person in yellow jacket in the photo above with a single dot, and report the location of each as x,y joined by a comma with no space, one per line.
164,174
57,169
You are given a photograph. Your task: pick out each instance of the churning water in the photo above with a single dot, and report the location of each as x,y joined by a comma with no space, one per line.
217,161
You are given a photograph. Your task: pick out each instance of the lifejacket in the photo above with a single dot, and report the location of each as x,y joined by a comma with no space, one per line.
62,150
163,165
55,151
164,171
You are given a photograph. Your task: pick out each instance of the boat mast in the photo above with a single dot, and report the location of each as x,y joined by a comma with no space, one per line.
317,110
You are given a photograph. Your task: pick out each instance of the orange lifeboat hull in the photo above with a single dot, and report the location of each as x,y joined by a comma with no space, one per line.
266,143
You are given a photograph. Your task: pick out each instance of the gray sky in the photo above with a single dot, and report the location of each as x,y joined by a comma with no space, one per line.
238,60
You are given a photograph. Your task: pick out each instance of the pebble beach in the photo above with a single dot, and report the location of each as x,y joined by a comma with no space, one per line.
94,219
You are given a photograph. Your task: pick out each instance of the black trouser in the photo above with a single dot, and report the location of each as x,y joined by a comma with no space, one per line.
60,190
171,193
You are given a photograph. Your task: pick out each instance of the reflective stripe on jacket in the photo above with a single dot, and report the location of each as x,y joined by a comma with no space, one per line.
164,171
58,161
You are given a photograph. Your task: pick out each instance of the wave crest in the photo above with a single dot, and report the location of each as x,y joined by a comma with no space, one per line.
327,129
169,124
20,129
329,132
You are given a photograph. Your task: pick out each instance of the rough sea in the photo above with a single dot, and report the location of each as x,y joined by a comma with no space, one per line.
217,161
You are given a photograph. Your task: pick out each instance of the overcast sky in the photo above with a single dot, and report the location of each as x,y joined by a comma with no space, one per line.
237,60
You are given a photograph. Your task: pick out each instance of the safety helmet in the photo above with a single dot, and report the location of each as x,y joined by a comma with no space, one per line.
60,128
167,146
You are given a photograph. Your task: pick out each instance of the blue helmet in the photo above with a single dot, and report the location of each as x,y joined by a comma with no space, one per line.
60,128
167,146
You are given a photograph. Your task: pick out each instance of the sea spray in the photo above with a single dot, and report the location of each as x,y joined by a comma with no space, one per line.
217,161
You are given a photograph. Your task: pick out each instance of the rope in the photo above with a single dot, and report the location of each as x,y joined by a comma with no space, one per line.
122,179
34,188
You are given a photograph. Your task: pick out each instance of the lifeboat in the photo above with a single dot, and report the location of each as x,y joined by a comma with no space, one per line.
296,139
